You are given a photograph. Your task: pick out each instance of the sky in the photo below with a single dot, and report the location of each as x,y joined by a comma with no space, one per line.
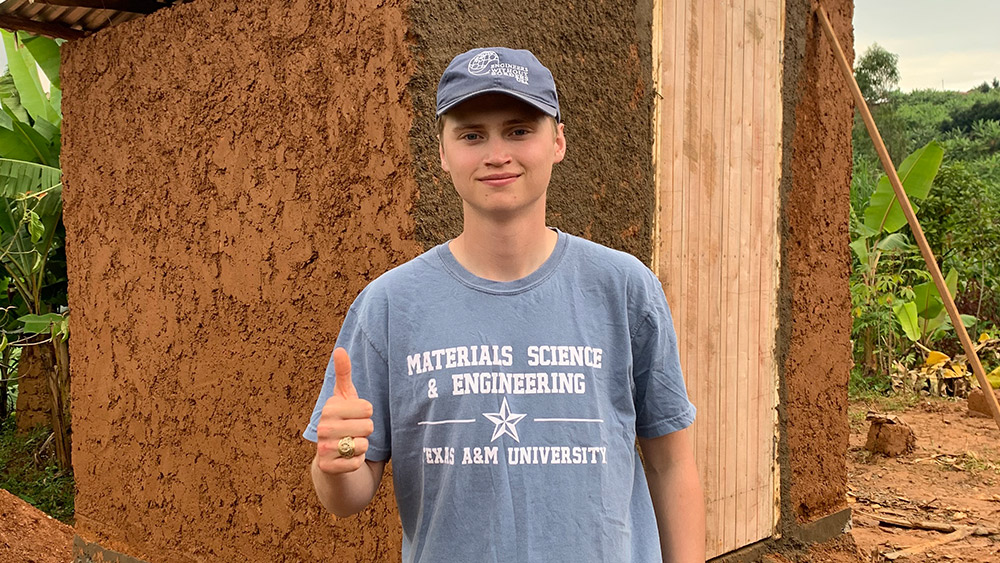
952,45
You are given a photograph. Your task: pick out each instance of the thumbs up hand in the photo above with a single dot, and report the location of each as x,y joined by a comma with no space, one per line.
345,418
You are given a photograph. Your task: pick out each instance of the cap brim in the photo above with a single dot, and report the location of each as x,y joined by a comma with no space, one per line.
541,106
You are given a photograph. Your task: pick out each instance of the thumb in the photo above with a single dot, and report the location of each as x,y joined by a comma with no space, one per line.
343,386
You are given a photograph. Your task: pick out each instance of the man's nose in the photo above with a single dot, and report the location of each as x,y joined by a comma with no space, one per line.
497,152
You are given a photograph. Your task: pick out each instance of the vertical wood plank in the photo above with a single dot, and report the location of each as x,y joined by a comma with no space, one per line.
745,374
718,153
757,257
737,385
677,168
712,257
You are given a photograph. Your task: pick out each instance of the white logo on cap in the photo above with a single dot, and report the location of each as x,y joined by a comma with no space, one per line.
480,64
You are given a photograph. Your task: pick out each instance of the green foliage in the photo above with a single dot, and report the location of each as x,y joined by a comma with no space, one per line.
31,233
878,78
924,115
916,173
30,178
893,301
862,385
43,484
964,118
877,74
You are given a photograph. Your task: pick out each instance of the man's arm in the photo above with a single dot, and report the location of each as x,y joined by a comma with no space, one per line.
345,494
344,485
677,497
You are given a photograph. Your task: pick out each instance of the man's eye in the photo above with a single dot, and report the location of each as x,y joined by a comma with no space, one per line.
470,136
520,132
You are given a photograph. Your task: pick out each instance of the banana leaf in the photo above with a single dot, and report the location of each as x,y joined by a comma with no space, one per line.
860,248
917,175
928,299
41,324
10,99
906,313
22,67
45,51
20,141
895,241
18,178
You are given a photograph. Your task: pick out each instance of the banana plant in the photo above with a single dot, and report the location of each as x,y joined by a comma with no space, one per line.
876,234
924,318
31,203
917,172
30,177
884,214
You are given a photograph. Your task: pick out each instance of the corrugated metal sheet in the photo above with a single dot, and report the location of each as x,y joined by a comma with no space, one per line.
74,20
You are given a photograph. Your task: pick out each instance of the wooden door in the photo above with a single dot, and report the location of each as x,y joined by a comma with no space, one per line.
717,151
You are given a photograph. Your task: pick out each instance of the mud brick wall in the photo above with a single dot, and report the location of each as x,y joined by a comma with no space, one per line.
814,310
34,400
600,54
235,174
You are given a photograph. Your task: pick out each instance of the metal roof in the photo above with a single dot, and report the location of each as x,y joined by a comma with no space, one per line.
71,19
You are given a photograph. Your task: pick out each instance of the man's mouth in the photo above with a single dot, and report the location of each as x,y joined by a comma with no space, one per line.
498,180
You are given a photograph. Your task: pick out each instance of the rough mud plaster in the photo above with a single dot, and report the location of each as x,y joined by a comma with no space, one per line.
34,400
600,54
814,309
236,172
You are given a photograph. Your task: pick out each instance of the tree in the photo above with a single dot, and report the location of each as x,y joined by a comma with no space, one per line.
963,119
878,79
877,74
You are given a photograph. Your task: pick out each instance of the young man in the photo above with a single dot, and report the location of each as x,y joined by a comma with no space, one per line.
509,371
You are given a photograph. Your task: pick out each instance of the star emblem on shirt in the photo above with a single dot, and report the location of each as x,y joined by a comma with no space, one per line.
505,422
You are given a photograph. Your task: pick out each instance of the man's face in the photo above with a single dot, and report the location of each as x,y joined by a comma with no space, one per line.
499,152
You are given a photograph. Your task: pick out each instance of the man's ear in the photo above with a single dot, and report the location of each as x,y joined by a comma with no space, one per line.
560,143
444,161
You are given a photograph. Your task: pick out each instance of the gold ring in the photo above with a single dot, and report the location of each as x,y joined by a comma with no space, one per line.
346,447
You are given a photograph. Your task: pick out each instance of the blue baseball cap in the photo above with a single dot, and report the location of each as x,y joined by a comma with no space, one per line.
514,72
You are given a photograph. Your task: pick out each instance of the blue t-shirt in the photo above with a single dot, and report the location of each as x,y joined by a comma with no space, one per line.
511,409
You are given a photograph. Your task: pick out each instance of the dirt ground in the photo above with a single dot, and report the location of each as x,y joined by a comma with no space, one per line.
951,477
28,535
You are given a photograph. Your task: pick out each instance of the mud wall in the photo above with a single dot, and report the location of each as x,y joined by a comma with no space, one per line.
236,172
34,400
231,185
814,351
236,179
601,56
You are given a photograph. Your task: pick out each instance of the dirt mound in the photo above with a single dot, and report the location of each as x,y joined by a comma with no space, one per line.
951,479
28,535
890,436
978,405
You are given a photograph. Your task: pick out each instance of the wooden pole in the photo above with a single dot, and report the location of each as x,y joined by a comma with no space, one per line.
134,6
54,30
911,218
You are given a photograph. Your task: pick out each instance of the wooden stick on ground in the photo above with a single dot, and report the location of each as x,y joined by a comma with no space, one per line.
907,523
911,218
954,536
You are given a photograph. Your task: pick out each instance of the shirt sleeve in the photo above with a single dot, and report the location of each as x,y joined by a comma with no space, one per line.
369,373
661,399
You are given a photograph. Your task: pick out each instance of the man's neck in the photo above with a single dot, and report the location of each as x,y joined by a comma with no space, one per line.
503,251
